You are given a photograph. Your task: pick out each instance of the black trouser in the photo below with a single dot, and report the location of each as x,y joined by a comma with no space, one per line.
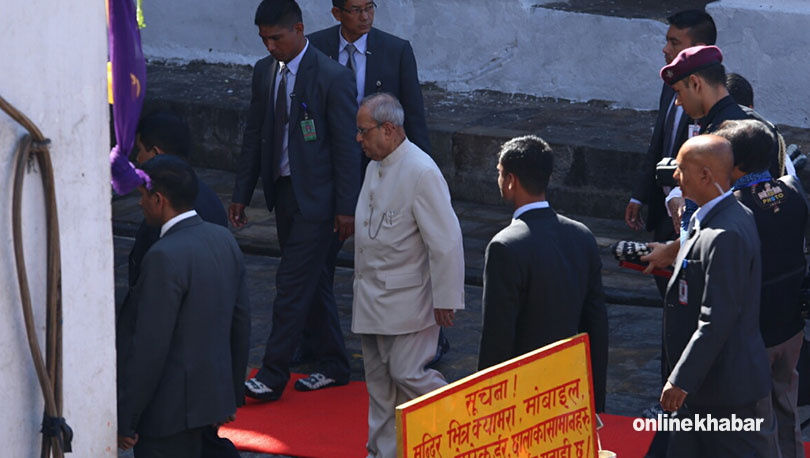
185,444
664,232
304,294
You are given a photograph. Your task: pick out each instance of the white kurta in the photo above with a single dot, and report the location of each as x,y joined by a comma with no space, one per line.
408,256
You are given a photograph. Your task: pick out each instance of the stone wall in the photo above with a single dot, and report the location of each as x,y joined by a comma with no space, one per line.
53,59
517,46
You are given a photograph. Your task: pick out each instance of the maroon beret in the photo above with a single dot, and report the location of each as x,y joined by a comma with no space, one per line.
689,61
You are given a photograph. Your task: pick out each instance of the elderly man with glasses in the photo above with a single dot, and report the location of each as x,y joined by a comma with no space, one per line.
380,61
409,267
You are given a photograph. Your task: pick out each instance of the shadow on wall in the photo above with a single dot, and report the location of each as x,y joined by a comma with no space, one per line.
647,9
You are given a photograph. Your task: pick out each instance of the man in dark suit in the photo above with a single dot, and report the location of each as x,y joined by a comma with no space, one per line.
165,133
299,139
184,366
380,61
718,362
686,28
542,273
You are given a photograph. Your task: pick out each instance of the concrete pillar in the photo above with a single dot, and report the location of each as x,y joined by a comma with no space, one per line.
53,69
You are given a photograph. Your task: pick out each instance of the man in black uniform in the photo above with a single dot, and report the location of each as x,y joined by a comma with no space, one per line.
165,133
780,212
698,77
741,91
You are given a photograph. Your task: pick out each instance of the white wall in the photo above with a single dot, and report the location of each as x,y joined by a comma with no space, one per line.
513,46
769,44
53,69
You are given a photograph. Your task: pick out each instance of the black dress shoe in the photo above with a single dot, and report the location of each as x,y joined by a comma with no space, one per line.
316,381
255,389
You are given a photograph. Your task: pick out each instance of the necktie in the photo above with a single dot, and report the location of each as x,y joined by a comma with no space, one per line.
669,126
350,62
279,121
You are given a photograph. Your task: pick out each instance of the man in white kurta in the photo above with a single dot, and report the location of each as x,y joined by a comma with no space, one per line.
409,267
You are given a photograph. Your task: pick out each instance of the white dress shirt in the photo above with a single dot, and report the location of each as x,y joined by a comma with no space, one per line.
292,67
361,44
170,223
678,113
707,207
530,206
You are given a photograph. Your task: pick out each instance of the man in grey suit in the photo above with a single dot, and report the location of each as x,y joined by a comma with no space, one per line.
542,273
712,339
380,61
183,368
300,139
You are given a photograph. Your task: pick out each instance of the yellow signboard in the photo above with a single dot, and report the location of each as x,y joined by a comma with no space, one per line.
539,405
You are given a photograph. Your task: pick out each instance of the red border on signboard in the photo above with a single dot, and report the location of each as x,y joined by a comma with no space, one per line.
505,366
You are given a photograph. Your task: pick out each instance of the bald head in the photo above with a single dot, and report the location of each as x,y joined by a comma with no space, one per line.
704,168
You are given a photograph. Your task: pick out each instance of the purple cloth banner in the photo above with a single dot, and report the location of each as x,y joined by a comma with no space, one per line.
129,87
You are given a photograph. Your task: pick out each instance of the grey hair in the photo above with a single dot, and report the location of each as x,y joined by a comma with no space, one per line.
384,107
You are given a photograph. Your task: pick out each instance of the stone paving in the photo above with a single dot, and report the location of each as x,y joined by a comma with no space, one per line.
479,222
634,334
633,376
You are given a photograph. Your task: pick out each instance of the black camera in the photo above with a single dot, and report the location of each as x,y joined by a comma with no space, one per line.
663,172
795,154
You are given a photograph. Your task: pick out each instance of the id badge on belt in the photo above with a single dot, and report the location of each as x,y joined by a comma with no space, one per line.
308,126
683,287
694,130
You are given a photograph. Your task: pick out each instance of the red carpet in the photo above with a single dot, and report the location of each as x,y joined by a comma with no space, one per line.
332,423
619,436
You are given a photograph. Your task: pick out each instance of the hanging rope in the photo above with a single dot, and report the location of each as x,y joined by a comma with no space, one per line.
57,435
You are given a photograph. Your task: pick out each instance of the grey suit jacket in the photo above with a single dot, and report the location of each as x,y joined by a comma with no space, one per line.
390,67
184,362
543,283
711,317
325,173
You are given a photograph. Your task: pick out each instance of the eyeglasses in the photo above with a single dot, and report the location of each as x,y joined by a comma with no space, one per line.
362,131
357,11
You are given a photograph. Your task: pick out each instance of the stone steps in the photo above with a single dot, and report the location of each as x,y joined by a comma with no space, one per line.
598,150
594,164
479,223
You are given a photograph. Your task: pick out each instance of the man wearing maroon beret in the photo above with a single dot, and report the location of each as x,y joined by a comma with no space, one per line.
698,78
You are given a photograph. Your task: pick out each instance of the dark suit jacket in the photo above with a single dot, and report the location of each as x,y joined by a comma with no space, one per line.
184,363
207,205
713,343
325,173
543,283
645,189
390,67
